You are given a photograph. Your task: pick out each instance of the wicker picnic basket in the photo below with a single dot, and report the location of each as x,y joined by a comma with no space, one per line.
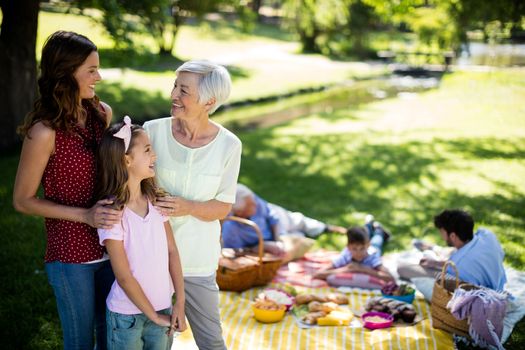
245,270
444,288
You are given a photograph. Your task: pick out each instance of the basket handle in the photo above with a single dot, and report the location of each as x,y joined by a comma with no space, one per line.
444,271
253,225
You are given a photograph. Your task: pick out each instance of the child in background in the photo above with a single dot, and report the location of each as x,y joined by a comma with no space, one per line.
358,256
142,249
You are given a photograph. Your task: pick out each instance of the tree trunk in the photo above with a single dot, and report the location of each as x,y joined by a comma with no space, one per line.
256,6
17,66
308,41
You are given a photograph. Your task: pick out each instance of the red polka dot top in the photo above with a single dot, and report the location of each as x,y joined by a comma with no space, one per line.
69,179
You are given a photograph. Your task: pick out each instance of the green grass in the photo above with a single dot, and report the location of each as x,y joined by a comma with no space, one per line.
402,159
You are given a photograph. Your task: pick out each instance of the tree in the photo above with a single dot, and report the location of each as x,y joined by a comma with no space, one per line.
315,21
17,65
473,14
161,19
359,23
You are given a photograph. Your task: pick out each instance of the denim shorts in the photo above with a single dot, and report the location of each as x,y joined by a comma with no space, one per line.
132,332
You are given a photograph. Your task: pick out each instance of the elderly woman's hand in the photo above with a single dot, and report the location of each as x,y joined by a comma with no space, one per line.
174,206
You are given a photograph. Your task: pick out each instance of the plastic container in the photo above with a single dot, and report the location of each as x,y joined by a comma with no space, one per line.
388,320
268,316
407,298
280,297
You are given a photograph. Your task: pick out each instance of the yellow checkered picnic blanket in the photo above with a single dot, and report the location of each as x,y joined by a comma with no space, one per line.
242,331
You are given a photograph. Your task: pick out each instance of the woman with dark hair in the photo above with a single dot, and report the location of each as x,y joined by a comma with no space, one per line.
61,136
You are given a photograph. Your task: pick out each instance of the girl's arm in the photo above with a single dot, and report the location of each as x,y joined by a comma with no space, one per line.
178,318
206,211
34,157
120,266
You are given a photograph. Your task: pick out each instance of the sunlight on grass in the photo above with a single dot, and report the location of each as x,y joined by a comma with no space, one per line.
50,22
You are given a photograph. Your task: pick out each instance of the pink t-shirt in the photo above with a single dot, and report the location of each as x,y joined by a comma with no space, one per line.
146,247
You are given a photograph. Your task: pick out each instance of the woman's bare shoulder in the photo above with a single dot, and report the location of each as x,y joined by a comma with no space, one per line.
41,132
108,112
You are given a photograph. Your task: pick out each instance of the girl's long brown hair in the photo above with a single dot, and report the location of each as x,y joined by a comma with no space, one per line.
112,170
57,106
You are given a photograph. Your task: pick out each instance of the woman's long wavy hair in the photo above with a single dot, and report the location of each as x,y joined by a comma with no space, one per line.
113,173
57,106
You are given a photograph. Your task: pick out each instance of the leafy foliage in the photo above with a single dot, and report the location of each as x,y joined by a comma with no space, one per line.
161,19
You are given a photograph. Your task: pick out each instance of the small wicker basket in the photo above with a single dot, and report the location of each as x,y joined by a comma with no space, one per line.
442,293
247,270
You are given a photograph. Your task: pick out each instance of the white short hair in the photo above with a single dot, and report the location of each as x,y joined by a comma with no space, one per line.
215,81
242,193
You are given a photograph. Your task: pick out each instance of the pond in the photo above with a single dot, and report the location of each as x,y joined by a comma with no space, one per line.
499,55
346,95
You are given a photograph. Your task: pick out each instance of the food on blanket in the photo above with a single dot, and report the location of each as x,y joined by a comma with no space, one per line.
263,303
337,298
329,306
317,306
398,309
336,318
265,315
311,317
279,296
306,298
377,320
402,292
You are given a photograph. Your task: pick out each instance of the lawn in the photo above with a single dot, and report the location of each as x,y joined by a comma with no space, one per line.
402,159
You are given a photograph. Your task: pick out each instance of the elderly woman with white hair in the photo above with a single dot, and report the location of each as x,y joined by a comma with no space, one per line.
198,163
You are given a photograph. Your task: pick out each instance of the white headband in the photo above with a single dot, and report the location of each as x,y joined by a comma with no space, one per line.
125,133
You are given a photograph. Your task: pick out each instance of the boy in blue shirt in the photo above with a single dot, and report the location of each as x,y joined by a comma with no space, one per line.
358,257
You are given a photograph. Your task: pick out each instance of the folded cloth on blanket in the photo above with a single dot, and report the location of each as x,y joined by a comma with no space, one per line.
355,280
300,272
485,309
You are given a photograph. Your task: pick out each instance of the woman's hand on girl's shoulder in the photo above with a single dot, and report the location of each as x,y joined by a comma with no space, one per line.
173,206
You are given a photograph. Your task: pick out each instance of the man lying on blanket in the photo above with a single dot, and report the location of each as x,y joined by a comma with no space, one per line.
477,256
358,257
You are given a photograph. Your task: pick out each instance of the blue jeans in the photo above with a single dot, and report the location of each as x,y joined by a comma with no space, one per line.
376,236
81,291
135,332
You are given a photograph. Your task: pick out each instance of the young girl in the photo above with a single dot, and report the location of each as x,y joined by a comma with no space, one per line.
141,248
